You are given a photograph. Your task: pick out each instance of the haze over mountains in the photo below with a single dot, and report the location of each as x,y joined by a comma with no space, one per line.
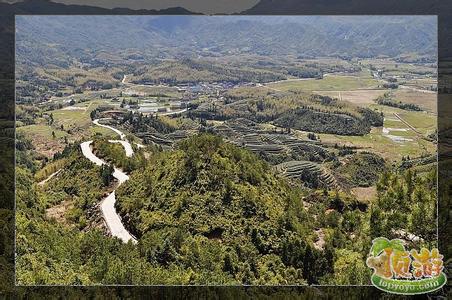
347,6
54,38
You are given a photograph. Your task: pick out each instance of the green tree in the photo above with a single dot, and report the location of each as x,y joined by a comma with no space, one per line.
106,173
350,269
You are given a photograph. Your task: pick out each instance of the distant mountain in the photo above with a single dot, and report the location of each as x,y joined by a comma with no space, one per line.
49,7
347,7
365,7
45,36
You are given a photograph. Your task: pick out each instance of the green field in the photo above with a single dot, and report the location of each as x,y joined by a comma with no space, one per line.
76,123
76,118
377,142
392,123
103,131
385,146
41,131
423,122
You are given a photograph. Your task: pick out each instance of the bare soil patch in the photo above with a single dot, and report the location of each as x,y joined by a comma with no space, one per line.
365,194
362,97
58,212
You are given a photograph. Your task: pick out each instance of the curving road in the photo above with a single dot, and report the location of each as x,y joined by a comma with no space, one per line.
121,135
107,205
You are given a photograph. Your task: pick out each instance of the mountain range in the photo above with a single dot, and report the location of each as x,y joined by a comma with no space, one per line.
50,38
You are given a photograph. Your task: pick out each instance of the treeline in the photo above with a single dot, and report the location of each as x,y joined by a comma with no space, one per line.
385,100
305,72
140,123
326,122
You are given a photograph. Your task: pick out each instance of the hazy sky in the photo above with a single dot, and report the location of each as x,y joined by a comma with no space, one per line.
202,6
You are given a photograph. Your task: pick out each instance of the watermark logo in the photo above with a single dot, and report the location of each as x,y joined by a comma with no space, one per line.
399,271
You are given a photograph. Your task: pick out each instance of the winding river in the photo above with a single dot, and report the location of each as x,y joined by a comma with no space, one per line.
107,205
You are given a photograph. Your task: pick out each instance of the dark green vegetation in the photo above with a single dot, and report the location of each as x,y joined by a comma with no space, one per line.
214,196
361,169
115,154
206,212
326,122
315,113
242,226
139,124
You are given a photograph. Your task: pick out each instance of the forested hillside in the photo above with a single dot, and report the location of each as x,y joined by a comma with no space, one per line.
300,111
243,226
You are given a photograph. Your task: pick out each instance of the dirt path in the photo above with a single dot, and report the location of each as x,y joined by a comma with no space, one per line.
121,135
407,124
50,177
124,79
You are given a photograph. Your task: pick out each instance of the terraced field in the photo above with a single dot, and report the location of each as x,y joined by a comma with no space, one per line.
316,173
270,142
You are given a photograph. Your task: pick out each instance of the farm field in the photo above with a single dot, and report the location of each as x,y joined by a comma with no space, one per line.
423,122
376,142
397,67
385,140
425,100
328,83
41,131
71,123
361,97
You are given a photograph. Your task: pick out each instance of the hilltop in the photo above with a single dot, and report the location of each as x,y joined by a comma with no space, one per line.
220,196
